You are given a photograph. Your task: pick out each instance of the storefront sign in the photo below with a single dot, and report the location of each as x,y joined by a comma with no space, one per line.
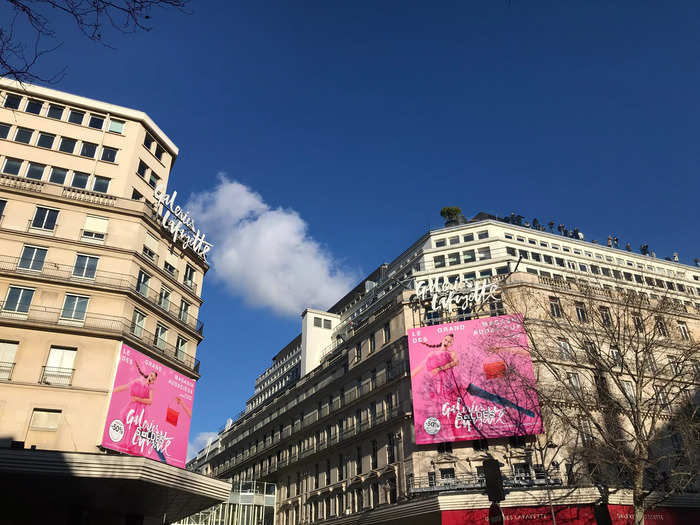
179,223
446,296
150,410
472,380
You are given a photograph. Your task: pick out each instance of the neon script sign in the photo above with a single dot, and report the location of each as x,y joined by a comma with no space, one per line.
446,296
179,223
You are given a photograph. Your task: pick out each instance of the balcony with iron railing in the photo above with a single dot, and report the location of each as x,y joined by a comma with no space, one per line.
120,326
110,280
477,482
52,375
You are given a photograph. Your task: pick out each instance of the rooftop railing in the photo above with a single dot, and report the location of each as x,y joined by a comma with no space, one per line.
102,323
112,280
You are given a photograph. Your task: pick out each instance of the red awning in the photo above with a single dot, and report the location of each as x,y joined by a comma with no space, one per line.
572,515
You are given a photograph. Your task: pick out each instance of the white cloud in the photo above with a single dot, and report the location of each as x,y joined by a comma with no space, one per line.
265,255
198,443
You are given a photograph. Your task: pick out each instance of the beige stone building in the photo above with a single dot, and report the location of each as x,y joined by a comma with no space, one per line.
85,264
331,421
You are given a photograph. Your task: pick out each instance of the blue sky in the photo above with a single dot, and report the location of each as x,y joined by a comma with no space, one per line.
343,128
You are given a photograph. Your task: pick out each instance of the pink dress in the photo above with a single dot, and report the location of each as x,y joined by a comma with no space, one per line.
139,388
443,379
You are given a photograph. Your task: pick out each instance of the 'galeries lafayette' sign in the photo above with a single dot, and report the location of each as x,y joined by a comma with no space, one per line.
179,223
445,296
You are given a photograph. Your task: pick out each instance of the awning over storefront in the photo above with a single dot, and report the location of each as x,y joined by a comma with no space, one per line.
572,515
39,481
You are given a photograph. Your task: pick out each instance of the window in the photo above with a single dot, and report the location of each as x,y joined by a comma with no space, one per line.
169,268
12,101
535,256
8,350
164,298
581,313
24,135
510,251
55,111
138,320
80,180
628,390
4,131
75,116
33,106
468,256
67,145
327,324
483,235
160,338
109,154
45,140
95,228
44,218
661,396
484,253
96,121
141,170
454,240
683,329
46,420
661,327
574,381
444,448
135,195
116,126
59,365
189,276
374,463
32,258
523,253
485,273
605,316
453,259
548,259
565,351
439,261
184,312
85,266
88,150
159,152
372,343
74,307
181,348
148,141
387,333
153,180
18,299
358,353
142,282
555,307
12,166
318,322
35,171
480,444
100,184
469,237
638,323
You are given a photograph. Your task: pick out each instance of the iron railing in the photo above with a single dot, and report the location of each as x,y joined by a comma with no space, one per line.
113,280
52,375
477,481
104,323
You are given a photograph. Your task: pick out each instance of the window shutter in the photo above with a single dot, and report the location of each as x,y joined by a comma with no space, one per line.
7,352
151,242
96,224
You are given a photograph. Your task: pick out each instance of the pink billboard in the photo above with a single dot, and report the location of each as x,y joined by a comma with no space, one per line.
150,410
472,380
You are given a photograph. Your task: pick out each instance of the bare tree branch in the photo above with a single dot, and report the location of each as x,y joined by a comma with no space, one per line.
19,57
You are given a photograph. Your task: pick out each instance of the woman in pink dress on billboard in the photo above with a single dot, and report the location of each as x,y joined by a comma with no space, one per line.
140,398
439,362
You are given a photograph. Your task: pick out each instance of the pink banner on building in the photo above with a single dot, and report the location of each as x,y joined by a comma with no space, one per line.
472,380
150,410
